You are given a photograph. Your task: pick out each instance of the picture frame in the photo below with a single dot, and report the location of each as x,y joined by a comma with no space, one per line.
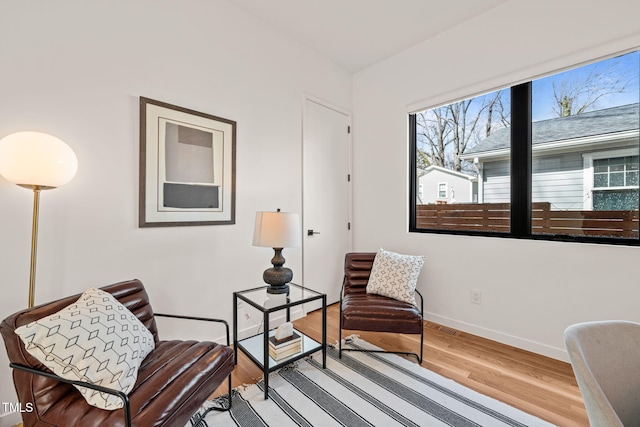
187,167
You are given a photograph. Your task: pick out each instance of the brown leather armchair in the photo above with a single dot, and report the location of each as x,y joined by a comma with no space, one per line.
173,380
369,312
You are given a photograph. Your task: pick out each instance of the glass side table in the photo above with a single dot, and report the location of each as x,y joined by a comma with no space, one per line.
257,347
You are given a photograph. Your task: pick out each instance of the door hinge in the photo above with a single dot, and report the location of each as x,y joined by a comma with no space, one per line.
348,226
348,129
349,178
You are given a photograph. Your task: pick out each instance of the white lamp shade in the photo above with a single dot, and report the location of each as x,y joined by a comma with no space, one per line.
277,230
35,158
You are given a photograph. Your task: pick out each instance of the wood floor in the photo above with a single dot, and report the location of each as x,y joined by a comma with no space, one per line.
535,384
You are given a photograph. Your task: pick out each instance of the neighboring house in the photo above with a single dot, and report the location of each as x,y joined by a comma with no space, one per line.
583,162
440,185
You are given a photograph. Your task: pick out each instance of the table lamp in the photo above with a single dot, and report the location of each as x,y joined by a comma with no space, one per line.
36,161
277,230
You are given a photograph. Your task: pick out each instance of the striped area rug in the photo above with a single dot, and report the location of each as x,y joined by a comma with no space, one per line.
362,389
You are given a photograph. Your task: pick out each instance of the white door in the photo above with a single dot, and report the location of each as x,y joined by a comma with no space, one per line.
326,198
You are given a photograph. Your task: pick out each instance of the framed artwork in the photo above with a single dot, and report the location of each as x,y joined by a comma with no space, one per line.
187,167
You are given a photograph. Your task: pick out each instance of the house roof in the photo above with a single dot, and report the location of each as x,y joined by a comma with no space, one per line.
613,120
434,168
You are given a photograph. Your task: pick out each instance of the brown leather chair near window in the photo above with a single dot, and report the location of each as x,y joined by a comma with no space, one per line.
174,380
369,312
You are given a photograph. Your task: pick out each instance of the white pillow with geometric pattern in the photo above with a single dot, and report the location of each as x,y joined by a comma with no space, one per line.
96,339
395,275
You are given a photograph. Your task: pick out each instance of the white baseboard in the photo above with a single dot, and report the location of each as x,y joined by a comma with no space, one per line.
10,419
533,346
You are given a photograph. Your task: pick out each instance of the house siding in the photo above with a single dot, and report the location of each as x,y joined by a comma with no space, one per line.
557,179
496,182
429,186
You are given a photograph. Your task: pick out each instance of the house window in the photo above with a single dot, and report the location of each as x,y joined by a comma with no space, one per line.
580,151
442,138
615,184
554,158
442,190
616,172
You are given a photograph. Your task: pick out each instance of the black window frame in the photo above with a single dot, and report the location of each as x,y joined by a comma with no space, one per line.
520,178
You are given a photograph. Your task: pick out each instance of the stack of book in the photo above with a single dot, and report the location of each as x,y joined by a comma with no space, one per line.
279,349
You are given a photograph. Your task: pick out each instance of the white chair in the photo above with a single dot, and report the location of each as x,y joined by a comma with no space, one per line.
605,357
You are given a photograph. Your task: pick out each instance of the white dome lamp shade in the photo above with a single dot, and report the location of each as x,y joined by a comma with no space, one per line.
37,161
33,159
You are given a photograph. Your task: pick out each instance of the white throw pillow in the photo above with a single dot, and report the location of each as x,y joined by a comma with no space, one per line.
395,275
96,339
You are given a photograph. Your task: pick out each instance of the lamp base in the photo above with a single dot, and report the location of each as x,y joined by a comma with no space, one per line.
277,276
278,290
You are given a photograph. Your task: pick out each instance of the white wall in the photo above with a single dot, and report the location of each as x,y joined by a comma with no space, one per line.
75,69
531,290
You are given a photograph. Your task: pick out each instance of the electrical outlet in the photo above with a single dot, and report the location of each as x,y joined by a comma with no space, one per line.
476,296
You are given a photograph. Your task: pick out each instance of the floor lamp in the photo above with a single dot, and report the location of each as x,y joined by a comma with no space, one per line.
39,162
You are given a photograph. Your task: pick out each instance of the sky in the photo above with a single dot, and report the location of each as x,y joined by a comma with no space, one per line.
627,66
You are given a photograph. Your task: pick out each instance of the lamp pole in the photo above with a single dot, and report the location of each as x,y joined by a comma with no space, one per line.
34,239
34,245
36,161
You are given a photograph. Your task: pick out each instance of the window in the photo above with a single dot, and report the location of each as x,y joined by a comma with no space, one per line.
613,181
445,138
442,190
616,172
554,158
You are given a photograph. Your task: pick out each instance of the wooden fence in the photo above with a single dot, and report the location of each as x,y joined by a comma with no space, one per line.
495,217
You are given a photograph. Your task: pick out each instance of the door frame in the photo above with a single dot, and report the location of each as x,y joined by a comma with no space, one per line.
310,98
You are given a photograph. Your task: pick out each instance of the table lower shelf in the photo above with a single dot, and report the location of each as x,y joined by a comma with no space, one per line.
254,348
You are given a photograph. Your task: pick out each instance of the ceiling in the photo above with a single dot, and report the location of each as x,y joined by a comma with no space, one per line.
358,33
